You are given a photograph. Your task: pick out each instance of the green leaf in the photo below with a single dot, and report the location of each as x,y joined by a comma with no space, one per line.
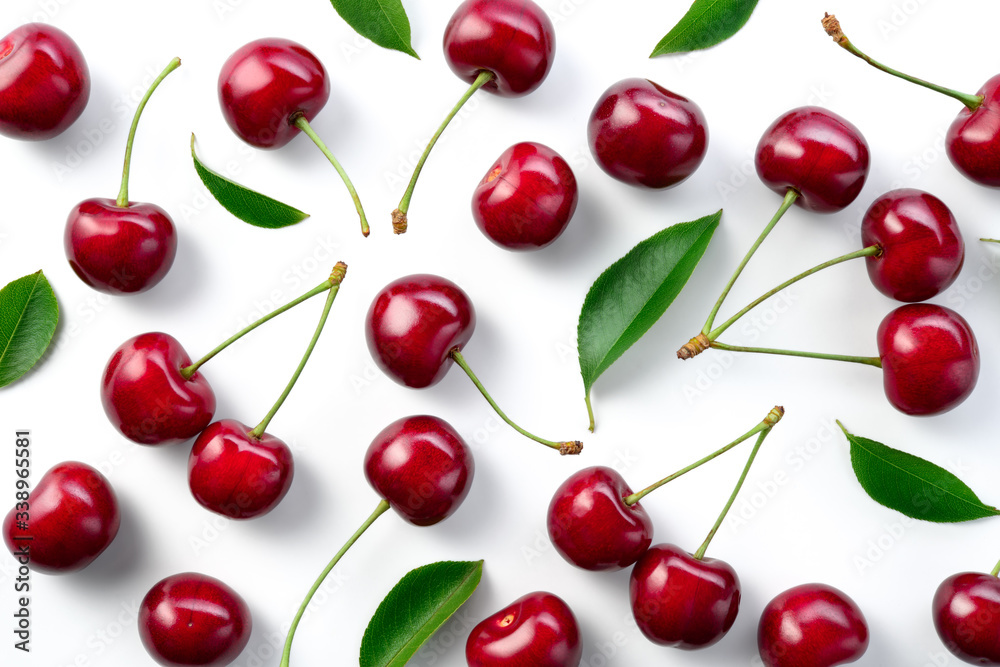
249,206
631,295
382,21
29,313
417,606
706,23
912,485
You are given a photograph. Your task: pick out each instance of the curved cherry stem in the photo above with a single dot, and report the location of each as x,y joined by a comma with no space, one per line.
764,425
122,201
786,203
286,653
996,570
832,27
868,361
336,278
772,418
565,447
188,371
399,222
303,124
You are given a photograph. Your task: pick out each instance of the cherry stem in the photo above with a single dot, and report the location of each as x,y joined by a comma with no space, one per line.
565,447
786,203
772,418
764,425
832,27
990,240
590,412
868,361
336,278
122,201
996,570
383,506
399,222
188,371
303,124
870,251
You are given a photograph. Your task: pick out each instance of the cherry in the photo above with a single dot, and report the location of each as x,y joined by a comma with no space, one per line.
590,524
234,473
194,619
526,198
146,396
422,467
818,154
811,624
69,519
44,82
930,358
270,90
922,247
503,46
682,601
966,612
643,134
538,629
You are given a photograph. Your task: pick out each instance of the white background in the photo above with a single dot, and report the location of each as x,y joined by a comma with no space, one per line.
655,413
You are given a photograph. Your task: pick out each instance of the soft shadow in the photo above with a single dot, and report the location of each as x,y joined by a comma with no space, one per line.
297,510
124,558
183,280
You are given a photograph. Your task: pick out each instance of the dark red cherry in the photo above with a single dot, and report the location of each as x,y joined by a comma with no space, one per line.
538,629
70,517
119,250
44,82
235,474
683,602
146,397
812,624
526,198
591,526
930,358
643,134
422,466
413,324
922,247
266,85
817,153
966,612
194,619
973,140
513,39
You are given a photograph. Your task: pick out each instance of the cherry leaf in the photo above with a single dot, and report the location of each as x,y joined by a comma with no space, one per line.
417,606
631,295
382,21
912,485
29,314
706,23
247,205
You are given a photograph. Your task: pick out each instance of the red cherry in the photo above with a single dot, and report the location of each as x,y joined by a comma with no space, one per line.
591,526
72,516
817,153
44,82
146,397
235,474
119,250
538,629
513,39
414,323
526,198
922,247
266,85
643,134
973,140
422,466
814,625
930,358
194,619
966,612
683,602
